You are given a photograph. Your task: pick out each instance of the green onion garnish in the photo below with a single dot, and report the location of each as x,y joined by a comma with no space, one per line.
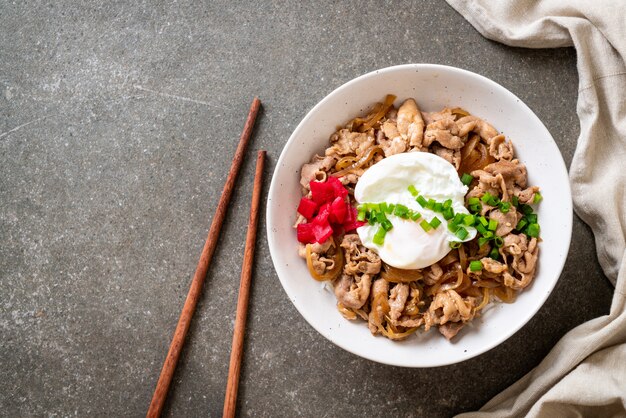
360,215
383,207
431,204
466,179
482,241
435,222
447,204
483,221
386,224
455,244
521,224
537,197
476,265
401,211
448,214
532,218
379,236
504,207
425,225
498,241
486,197
415,216
390,208
413,191
475,208
438,207
494,253
533,230
515,201
461,233
422,201
526,210
458,218
469,220
372,217
473,201
488,234
493,201
493,225
481,229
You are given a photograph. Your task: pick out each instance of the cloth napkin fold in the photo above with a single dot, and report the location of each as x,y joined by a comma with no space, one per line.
585,373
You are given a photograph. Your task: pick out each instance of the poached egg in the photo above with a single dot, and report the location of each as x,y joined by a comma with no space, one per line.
407,245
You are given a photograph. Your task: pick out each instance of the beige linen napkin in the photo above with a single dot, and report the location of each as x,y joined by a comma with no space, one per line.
585,373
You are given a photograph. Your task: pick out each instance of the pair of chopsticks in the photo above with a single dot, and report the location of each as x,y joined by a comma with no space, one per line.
169,366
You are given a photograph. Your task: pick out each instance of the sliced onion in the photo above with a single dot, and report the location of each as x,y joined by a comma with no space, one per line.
364,159
331,274
505,294
485,301
345,162
395,275
379,111
347,313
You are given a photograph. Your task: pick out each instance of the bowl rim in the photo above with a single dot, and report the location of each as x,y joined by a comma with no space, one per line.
558,162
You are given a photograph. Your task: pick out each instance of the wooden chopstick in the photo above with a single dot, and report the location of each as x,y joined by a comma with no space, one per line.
169,366
232,385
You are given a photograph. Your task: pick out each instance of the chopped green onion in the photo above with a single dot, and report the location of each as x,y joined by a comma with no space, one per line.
494,253
422,201
486,197
493,201
473,201
461,233
447,204
435,222
532,218
425,225
515,201
379,236
488,234
455,244
469,220
493,225
475,208
372,217
386,224
481,229
526,210
448,214
361,215
390,208
413,190
482,241
383,207
466,179
431,204
452,227
498,241
483,220
401,211
415,216
476,265
538,197
380,217
458,218
533,230
504,207
521,224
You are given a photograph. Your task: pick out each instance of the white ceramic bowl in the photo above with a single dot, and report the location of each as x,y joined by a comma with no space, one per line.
433,87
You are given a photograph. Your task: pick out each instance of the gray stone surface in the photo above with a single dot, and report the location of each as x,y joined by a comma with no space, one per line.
118,121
